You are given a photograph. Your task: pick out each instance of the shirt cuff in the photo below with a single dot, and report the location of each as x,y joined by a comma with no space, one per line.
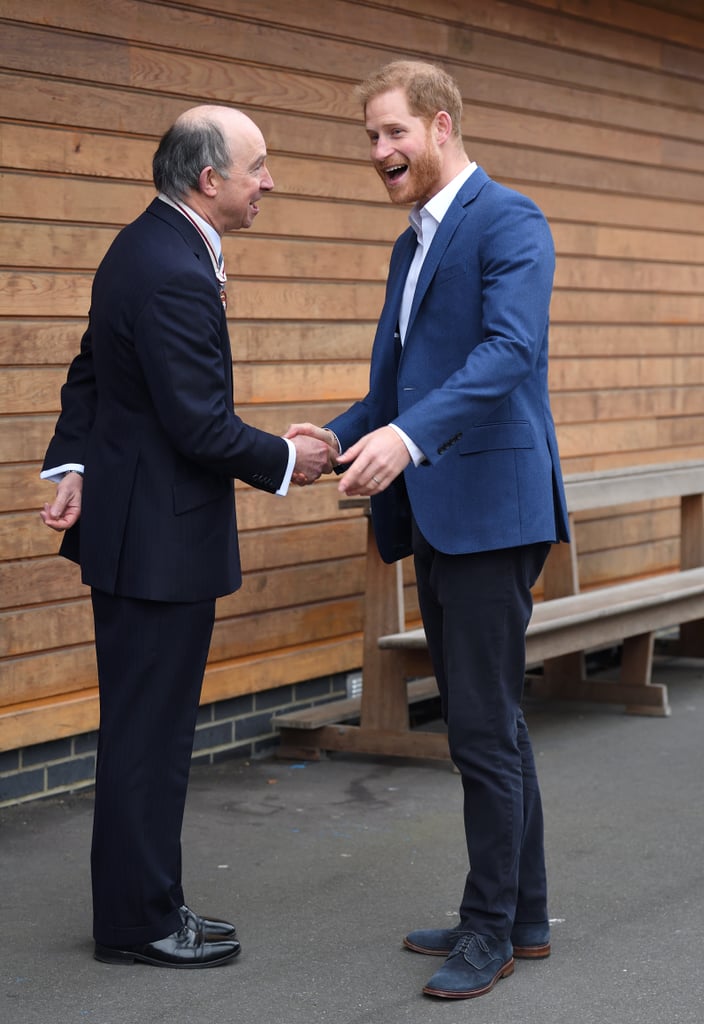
335,438
283,489
56,475
414,451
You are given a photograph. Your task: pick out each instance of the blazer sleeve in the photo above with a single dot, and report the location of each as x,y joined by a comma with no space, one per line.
78,406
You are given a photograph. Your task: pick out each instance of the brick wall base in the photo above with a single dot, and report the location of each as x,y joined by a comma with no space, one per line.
240,727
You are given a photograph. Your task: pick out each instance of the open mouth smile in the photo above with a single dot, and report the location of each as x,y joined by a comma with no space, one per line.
394,172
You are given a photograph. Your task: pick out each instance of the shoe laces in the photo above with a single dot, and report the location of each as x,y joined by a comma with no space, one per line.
466,943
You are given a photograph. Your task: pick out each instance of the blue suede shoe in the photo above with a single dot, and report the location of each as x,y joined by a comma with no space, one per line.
473,967
530,941
434,941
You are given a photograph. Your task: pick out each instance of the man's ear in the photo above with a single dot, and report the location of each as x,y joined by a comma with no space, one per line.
206,182
442,126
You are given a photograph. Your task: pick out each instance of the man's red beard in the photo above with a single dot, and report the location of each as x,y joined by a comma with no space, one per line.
419,181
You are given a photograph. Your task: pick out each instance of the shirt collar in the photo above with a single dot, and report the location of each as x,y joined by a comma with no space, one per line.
207,229
438,205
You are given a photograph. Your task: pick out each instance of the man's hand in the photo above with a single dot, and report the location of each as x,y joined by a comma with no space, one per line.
313,457
66,507
310,429
300,430
376,460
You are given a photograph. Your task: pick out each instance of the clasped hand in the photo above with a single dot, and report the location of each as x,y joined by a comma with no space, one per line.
315,454
374,461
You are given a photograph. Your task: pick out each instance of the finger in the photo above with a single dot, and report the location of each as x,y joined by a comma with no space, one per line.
352,485
350,454
293,430
57,512
53,524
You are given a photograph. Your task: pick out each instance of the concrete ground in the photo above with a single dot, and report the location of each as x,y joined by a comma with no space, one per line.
324,867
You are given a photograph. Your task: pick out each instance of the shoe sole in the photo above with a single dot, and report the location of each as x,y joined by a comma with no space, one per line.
125,959
505,971
532,952
519,952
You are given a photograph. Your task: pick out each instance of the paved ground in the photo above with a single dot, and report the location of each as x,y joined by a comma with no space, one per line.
325,866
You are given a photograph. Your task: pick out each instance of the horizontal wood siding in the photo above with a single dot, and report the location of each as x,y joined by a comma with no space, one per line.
595,108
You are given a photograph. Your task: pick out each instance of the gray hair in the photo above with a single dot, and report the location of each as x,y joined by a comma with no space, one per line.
184,150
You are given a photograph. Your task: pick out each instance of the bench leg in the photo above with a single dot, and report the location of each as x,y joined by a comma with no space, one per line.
301,739
564,678
642,696
384,698
691,642
300,744
559,674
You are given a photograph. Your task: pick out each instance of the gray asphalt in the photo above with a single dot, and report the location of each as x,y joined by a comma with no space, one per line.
325,866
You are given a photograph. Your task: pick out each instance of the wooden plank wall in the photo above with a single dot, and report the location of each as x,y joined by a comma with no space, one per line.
593,107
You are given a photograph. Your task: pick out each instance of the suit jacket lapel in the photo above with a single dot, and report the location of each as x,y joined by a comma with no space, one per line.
398,271
181,224
453,218
193,239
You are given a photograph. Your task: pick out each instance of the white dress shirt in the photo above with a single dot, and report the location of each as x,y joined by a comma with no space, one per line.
425,221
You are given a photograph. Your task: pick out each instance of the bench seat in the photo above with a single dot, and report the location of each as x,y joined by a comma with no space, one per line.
626,612
636,606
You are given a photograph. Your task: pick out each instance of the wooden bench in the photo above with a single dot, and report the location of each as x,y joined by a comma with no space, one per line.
565,625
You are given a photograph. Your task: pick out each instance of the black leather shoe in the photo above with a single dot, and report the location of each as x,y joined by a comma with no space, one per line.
184,948
213,929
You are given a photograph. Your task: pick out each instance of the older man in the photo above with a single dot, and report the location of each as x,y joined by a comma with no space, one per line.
144,453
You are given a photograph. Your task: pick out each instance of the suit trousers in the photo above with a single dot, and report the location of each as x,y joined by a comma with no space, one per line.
151,660
476,608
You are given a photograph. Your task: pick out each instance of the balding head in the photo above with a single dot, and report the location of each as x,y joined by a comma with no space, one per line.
210,113
193,142
204,136
205,147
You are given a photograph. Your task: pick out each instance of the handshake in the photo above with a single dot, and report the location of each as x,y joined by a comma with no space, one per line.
317,452
378,458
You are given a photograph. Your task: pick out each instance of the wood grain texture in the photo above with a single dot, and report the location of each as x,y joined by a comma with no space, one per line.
594,109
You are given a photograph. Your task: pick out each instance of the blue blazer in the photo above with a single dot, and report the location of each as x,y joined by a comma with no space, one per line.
471,385
147,408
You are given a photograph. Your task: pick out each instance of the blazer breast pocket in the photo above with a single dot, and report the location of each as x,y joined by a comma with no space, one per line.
452,270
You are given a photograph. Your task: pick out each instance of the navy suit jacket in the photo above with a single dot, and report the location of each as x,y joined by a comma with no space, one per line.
471,386
147,408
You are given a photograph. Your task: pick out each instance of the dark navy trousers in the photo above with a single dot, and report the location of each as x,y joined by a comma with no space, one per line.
476,608
151,659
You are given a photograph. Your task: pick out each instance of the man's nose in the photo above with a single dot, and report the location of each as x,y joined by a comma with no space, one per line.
381,149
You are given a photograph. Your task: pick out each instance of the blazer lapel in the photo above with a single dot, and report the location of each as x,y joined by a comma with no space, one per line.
188,232
398,272
443,236
193,239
